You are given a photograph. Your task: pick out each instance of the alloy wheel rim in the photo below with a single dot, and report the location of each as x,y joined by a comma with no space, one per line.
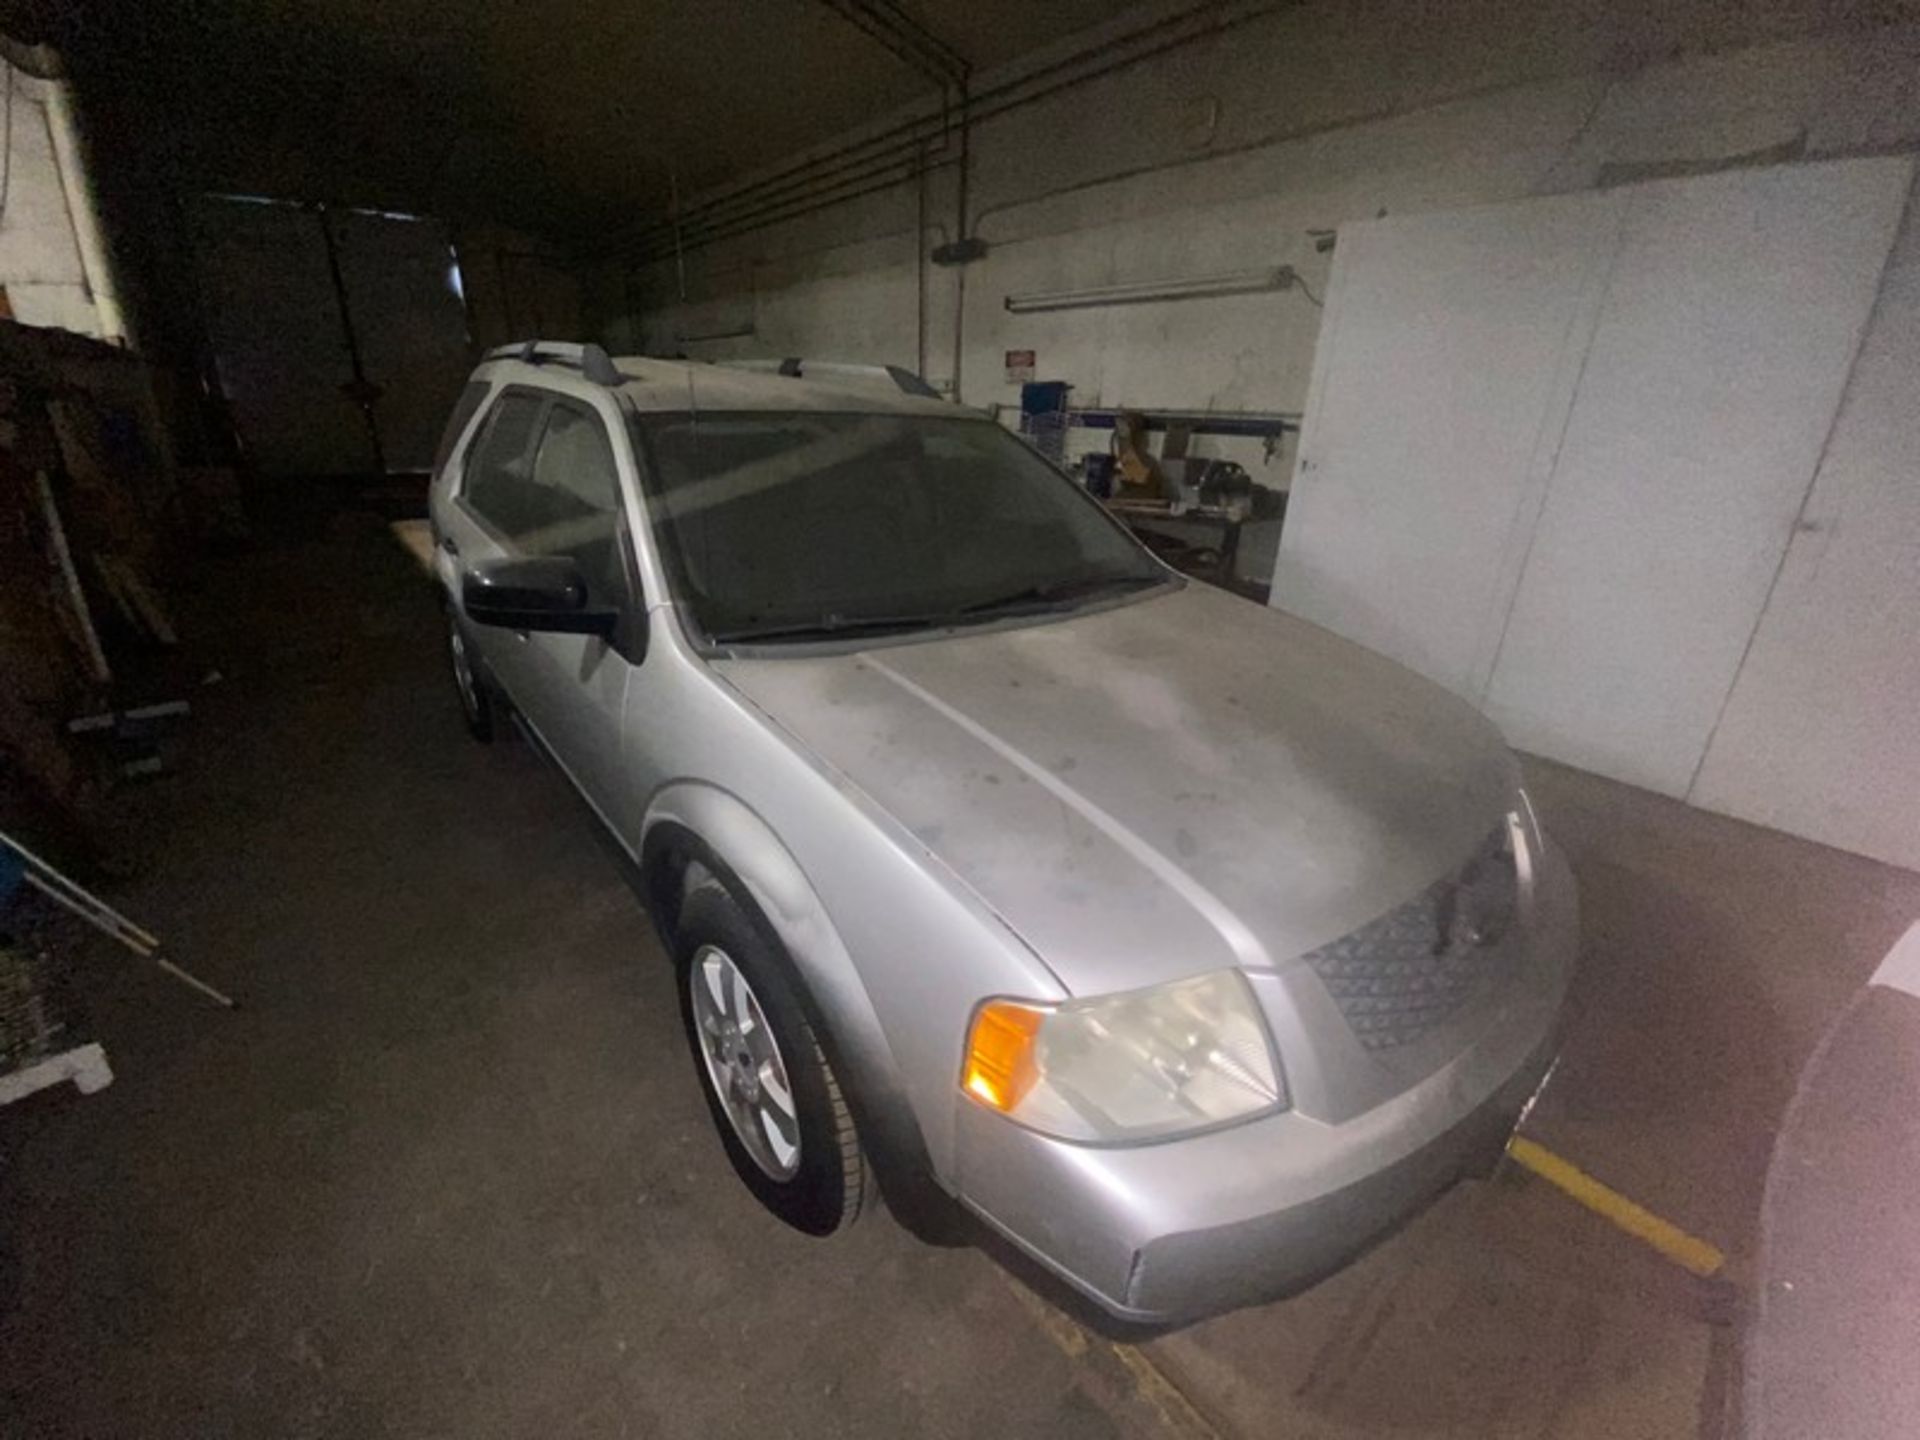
744,1064
462,671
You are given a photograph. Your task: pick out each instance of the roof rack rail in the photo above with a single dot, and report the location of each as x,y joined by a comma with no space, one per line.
533,352
597,367
796,368
593,363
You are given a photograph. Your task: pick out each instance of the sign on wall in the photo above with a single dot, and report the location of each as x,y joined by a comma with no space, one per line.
1020,366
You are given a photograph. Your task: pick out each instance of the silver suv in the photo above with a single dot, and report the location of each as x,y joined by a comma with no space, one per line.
1185,944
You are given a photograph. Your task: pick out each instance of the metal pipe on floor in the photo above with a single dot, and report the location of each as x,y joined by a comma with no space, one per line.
72,896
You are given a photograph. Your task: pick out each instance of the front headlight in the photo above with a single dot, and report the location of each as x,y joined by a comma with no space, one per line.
1140,1066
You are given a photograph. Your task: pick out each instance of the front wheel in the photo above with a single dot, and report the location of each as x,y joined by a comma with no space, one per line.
774,1097
476,701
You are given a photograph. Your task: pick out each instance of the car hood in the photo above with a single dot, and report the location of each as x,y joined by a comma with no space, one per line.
1157,789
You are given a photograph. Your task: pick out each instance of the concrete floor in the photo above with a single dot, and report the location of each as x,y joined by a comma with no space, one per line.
448,1173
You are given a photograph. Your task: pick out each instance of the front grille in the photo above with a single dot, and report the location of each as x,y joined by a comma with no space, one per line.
1397,977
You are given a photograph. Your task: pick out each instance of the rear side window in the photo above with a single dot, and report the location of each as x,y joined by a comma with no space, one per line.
464,409
500,466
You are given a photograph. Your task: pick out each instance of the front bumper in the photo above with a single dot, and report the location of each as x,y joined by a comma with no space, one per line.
1175,1231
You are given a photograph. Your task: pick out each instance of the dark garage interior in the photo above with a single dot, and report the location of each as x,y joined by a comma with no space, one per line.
1222,691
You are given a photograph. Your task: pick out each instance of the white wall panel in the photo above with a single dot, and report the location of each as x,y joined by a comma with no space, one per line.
277,339
1554,456
411,326
1446,365
40,266
280,336
1822,733
1736,305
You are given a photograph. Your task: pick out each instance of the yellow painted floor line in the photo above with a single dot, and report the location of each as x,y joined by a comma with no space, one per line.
417,538
1068,1337
1687,1251
1177,1414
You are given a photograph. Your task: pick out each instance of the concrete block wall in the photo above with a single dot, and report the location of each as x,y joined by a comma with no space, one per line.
1229,152
515,287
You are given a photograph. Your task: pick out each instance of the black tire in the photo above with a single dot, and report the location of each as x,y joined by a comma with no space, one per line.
469,682
831,1183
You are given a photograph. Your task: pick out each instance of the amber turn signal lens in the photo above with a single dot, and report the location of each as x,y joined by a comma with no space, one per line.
1000,1061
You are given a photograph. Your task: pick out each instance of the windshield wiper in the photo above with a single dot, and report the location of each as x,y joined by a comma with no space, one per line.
828,627
1055,595
1043,599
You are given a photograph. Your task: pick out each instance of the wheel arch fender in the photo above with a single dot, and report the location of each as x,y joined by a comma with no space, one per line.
694,822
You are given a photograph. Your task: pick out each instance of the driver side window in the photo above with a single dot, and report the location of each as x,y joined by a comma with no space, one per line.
576,491
544,477
498,466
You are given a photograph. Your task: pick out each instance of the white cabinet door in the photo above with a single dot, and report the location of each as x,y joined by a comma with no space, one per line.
273,318
280,322
1821,735
1442,377
1736,304
411,325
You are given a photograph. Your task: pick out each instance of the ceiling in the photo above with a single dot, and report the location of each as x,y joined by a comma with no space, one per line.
569,120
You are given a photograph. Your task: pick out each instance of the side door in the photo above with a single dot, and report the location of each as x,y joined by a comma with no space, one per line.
490,503
576,685
449,462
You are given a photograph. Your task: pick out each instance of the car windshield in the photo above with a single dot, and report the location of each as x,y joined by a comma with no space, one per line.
803,526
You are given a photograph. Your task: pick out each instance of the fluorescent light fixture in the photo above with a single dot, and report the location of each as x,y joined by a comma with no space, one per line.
1139,292
310,205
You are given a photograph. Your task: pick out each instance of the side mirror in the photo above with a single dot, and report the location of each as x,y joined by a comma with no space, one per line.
545,592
